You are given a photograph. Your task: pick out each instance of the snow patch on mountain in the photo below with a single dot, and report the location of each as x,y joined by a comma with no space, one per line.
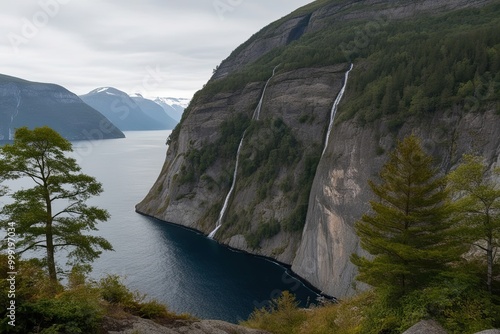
183,102
174,107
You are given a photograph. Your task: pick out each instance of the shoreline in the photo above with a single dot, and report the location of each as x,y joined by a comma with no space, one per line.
287,267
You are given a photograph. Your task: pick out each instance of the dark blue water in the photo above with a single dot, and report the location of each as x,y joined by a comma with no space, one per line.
179,267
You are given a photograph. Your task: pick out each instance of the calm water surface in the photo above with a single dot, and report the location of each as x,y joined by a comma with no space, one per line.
181,268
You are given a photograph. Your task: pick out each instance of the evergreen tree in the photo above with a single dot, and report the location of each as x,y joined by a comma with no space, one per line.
407,231
52,214
478,208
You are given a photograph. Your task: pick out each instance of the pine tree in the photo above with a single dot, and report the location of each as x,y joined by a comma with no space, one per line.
477,207
52,214
407,231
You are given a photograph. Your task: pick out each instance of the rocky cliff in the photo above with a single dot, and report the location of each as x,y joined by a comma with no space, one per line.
261,196
340,193
291,202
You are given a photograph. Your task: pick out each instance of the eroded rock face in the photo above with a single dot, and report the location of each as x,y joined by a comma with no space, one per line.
340,194
284,34
288,96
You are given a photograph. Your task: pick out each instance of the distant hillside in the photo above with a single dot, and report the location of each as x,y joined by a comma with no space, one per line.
32,104
155,111
128,113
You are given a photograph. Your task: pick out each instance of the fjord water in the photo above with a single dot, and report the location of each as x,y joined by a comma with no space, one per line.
179,267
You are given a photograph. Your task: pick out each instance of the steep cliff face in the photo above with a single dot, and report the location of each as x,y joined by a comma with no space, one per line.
289,201
340,194
305,93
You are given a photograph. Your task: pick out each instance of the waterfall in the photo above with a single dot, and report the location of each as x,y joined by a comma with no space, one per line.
256,115
334,109
14,115
226,201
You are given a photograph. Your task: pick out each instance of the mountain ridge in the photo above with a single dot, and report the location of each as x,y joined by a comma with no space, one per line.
129,113
34,104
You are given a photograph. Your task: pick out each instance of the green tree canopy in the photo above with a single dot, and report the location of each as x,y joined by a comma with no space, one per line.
52,214
407,231
477,207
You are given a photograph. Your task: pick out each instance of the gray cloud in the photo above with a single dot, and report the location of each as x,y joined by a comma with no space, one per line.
82,45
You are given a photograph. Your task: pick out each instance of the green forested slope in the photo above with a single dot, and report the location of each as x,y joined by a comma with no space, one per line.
408,66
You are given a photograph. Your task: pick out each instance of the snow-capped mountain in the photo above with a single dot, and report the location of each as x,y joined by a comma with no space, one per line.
129,112
174,107
154,110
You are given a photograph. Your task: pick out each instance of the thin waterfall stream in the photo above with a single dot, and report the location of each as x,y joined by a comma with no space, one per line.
226,200
14,115
256,116
334,109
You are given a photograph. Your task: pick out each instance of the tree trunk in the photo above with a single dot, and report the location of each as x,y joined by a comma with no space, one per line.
51,263
489,254
49,237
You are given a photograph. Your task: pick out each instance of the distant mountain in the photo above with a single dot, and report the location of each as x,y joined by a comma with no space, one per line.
33,104
155,111
121,109
129,113
174,107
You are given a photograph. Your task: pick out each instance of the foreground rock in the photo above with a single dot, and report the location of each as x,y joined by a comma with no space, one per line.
134,325
426,327
433,327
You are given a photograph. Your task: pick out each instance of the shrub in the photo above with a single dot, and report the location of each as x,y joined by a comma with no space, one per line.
264,231
152,310
68,313
458,303
76,310
281,316
115,292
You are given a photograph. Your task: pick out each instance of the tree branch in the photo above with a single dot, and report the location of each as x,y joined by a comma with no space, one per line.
479,246
36,244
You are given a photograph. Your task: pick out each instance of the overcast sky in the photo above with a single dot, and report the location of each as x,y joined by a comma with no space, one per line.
155,47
